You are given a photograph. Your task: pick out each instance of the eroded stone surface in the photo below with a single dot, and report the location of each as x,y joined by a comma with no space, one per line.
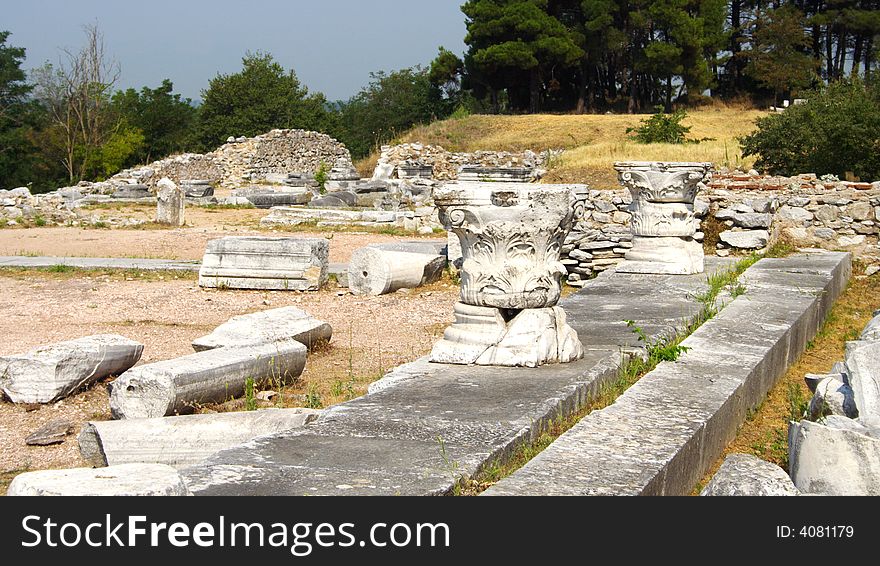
663,220
49,373
863,361
176,386
127,479
254,262
53,432
386,443
747,475
266,327
171,203
664,432
375,270
511,235
185,440
837,460
482,336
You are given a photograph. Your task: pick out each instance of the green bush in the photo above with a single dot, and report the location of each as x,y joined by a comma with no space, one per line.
321,177
662,128
835,132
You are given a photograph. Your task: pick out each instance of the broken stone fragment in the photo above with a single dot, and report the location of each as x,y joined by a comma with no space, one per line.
747,475
377,271
863,362
212,376
266,327
838,459
171,201
53,432
833,397
531,338
49,373
748,239
254,262
182,441
127,479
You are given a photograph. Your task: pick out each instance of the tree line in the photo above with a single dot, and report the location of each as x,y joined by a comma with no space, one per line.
632,55
67,122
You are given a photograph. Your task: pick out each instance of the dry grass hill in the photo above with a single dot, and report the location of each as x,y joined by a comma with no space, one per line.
592,141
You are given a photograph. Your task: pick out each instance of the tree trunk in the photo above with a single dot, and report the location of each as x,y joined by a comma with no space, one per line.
735,46
582,90
829,53
667,105
869,49
840,54
857,57
535,91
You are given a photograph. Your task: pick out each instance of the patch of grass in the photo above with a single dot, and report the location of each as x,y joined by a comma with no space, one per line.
313,399
711,228
250,399
782,247
62,271
593,142
39,221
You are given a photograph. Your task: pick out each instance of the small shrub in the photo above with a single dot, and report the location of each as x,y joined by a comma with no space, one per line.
663,128
250,399
61,268
321,177
313,399
835,131
39,221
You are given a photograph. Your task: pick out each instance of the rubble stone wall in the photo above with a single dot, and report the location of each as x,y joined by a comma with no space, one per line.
446,164
804,210
243,160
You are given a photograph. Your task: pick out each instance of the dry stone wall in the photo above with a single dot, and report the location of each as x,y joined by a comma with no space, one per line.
243,160
745,212
446,164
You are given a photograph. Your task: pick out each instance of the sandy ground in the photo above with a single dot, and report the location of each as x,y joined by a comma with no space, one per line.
165,313
187,243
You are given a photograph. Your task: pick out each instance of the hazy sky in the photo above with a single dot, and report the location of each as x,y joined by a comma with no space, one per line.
332,45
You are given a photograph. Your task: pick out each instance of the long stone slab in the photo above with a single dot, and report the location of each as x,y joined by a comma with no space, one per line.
127,479
424,425
182,441
100,263
665,431
212,376
253,262
49,373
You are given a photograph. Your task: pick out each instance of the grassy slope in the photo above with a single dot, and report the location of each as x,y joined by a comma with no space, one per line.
593,141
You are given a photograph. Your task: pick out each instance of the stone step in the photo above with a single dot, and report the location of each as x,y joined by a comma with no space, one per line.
667,430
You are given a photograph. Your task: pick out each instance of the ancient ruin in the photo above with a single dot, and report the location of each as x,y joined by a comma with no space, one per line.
249,262
663,221
511,276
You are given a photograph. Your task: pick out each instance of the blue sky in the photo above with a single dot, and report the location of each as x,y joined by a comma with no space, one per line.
333,45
